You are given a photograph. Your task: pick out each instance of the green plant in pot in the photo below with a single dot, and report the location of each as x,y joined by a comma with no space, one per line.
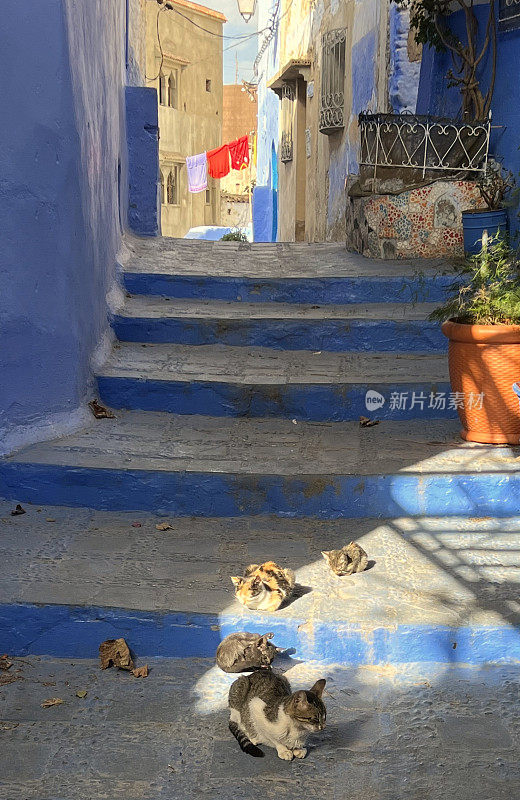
481,319
496,186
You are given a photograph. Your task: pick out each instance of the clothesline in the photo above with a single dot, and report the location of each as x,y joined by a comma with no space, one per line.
218,162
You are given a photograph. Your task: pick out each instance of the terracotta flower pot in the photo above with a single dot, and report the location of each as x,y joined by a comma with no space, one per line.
484,365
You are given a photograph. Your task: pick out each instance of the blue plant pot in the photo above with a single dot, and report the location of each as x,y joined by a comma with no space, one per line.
474,223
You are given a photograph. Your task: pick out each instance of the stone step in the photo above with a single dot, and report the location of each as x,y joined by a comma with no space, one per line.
389,734
283,326
209,466
221,380
440,590
285,272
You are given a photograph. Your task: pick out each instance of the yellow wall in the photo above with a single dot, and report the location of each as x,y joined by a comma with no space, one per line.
196,124
312,198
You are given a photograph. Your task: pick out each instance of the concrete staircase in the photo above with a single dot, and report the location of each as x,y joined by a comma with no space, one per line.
237,382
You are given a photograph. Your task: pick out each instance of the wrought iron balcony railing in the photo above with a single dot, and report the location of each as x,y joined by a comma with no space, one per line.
422,144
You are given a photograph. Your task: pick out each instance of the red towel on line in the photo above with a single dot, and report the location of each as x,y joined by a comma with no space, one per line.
239,151
218,161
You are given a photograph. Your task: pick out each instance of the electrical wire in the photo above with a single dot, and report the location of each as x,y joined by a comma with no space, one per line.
212,33
163,8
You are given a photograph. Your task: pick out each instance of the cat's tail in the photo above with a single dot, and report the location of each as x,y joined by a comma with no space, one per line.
245,744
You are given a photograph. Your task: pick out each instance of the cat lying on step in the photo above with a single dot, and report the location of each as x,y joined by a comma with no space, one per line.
264,587
264,711
244,651
351,558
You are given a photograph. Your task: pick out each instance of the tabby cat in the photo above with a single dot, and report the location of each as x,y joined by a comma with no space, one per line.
351,558
244,651
263,710
264,587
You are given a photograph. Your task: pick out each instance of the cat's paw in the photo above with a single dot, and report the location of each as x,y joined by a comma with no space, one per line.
300,752
284,753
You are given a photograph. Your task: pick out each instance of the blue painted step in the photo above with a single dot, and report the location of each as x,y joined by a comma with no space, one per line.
259,382
76,631
401,289
385,327
202,466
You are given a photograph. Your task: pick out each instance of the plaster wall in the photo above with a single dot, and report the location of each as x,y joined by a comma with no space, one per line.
195,125
436,98
265,195
62,205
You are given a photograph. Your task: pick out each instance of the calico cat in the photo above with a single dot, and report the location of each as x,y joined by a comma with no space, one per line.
351,558
264,587
263,710
241,652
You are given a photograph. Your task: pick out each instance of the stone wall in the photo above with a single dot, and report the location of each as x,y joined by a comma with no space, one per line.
425,222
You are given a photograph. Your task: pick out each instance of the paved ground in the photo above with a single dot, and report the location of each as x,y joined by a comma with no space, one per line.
409,734
162,308
457,572
162,441
177,362
163,255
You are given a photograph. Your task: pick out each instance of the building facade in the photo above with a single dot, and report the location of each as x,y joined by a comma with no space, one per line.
239,119
327,62
184,63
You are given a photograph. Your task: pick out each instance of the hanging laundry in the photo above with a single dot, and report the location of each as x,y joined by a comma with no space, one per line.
218,161
197,172
239,151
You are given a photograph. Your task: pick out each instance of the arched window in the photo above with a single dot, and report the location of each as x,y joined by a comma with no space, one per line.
162,187
172,89
162,89
172,186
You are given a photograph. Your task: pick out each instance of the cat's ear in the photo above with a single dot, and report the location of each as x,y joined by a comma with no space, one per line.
265,638
300,698
237,580
325,554
318,687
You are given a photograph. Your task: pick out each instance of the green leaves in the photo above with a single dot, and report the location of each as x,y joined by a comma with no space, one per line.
488,290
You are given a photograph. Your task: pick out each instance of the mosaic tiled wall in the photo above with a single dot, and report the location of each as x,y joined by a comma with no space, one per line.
419,223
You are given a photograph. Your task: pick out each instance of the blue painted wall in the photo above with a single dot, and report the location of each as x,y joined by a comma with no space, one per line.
63,173
142,126
403,74
436,98
265,195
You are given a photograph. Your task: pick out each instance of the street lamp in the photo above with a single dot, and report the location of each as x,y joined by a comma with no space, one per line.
246,8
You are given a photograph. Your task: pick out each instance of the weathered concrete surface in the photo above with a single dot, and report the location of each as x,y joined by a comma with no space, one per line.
411,733
447,572
143,307
155,441
257,365
165,256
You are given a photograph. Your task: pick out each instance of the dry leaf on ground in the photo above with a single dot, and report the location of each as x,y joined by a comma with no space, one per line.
52,701
100,411
141,672
5,663
136,525
81,693
18,510
366,422
164,526
8,677
115,652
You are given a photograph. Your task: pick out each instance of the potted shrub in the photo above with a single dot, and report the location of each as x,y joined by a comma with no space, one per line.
494,185
483,327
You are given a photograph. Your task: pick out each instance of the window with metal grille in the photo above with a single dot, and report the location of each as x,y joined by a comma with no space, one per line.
173,82
332,100
162,89
162,186
286,145
172,186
